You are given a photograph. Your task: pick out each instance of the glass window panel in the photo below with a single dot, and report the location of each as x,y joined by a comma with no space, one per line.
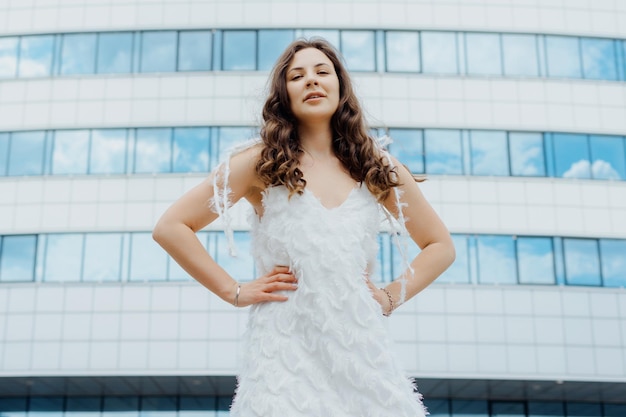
158,51
536,260
496,260
357,48
120,407
272,43
4,153
195,49
153,150
103,252
408,147
78,55
115,53
229,137
438,408
191,149
239,51
509,409
46,407
332,36
17,259
26,153
571,155
242,266
614,410
563,56
459,270
196,406
545,409
483,53
82,406
439,53
489,153
599,58
162,406
8,57
520,55
36,54
583,409
613,257
443,151
69,155
148,261
608,157
582,264
469,408
402,51
64,255
108,151
13,406
527,155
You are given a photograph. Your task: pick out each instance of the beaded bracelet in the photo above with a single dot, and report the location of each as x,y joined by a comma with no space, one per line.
391,305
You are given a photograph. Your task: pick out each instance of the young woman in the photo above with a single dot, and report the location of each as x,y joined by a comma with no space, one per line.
316,344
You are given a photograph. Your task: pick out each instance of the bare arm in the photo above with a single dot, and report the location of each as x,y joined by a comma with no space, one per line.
176,233
427,231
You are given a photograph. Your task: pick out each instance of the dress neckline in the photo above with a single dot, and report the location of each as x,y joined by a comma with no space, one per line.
337,207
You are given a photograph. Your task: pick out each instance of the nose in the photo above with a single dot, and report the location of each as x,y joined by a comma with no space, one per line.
311,80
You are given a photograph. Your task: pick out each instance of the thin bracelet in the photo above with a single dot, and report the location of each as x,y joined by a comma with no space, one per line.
391,306
236,302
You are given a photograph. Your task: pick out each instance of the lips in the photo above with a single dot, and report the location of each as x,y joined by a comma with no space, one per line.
314,95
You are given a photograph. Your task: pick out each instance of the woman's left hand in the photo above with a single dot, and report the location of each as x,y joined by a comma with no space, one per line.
380,296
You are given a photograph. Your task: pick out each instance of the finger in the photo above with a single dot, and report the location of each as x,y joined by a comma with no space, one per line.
280,269
280,286
285,277
273,297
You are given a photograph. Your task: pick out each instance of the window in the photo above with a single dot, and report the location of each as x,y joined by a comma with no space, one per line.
162,406
158,51
103,256
599,58
120,406
69,155
408,147
402,51
545,409
507,409
459,271
78,54
520,55
483,53
496,260
153,150
8,57
438,408
332,36
357,48
583,409
46,407
63,257
536,260
612,254
241,267
36,54
26,153
439,53
607,157
108,151
191,149
148,262
489,153
82,407
115,53
272,43
229,137
527,156
443,151
571,154
239,50
17,258
582,263
195,49
563,57
4,153
469,408
13,406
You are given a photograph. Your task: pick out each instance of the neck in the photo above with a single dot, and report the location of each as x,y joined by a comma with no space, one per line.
316,140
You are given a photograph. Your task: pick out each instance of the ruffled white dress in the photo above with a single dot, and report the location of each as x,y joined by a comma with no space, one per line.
326,351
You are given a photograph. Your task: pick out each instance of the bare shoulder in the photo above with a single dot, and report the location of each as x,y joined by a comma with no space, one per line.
242,177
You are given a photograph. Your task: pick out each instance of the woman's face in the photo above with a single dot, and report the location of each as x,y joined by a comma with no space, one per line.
312,86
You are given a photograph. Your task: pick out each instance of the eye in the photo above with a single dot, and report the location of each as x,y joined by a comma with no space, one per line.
295,77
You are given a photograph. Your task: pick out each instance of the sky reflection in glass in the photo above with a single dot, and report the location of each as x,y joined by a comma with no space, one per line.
4,153
241,267
26,153
582,264
191,149
79,54
153,150
507,409
439,53
239,50
108,151
103,254
272,42
148,261
571,155
608,159
115,53
195,50
8,57
520,55
527,155
489,153
17,258
64,255
496,260
402,51
563,56
331,35
358,50
483,53
536,260
36,56
408,147
443,151
469,408
599,59
545,409
69,155
613,257
458,272
158,51
230,137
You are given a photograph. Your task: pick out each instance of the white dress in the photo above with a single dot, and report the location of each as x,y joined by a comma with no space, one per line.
326,351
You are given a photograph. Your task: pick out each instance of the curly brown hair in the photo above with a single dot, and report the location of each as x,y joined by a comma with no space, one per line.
353,146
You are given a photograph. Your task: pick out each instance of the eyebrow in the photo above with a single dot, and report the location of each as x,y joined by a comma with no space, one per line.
315,66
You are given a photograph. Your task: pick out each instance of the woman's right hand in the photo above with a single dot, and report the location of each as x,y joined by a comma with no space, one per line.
263,288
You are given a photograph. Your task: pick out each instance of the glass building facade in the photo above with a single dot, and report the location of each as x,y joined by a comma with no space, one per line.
110,111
